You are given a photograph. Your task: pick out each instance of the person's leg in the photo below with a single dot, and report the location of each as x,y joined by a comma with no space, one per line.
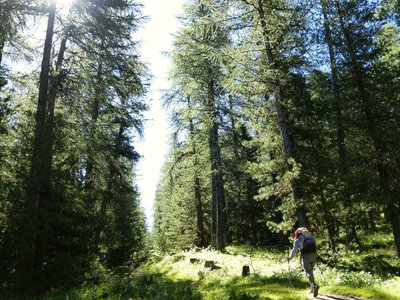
309,269
310,275
309,261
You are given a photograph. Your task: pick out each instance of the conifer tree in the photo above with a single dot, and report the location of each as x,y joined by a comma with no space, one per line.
357,45
197,72
54,215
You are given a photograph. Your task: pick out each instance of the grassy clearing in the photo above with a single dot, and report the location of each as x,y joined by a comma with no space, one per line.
370,274
269,279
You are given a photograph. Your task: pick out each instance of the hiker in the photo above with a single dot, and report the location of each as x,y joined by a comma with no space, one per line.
304,241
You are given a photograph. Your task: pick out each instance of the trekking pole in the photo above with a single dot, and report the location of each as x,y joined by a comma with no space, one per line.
290,273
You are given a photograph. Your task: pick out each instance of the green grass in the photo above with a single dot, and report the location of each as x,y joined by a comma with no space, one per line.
270,278
370,274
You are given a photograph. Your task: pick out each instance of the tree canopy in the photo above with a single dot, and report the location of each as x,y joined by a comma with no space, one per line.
284,113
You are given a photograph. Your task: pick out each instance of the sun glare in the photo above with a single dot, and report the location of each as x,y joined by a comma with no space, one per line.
65,3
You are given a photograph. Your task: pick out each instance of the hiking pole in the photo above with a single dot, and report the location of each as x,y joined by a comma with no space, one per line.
290,273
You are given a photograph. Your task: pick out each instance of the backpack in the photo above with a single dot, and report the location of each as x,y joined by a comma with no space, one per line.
309,244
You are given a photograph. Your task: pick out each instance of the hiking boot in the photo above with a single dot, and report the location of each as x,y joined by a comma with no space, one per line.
315,289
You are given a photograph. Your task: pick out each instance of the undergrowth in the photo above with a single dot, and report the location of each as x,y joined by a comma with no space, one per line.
369,274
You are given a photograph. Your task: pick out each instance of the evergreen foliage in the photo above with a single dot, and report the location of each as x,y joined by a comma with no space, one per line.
68,197
308,103
284,113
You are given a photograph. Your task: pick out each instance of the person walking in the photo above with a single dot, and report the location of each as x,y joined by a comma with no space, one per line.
305,243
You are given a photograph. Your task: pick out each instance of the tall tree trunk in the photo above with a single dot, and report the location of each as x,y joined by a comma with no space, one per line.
201,242
54,83
282,119
51,100
219,218
39,186
200,239
390,208
2,42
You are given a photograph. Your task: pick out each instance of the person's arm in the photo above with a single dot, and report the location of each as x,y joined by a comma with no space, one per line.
296,246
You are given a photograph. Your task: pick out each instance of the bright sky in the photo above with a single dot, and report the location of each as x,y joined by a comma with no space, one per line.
156,38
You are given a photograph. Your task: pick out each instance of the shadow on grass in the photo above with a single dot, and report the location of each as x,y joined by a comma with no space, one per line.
159,286
382,265
281,285
283,279
153,286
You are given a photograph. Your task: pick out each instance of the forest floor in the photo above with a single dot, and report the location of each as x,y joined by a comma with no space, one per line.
364,276
369,272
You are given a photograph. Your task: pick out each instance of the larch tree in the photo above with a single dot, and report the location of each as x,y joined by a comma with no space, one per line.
197,72
266,60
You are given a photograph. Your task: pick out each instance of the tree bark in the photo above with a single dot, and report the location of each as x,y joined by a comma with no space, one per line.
54,83
197,190
282,119
51,100
219,218
39,186
201,242
1,48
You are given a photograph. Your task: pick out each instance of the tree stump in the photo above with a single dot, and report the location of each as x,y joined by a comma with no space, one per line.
209,264
245,271
194,260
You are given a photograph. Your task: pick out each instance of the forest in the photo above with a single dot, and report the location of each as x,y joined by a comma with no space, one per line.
283,114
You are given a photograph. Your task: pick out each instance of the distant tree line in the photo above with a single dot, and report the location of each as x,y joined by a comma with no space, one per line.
68,200
285,113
